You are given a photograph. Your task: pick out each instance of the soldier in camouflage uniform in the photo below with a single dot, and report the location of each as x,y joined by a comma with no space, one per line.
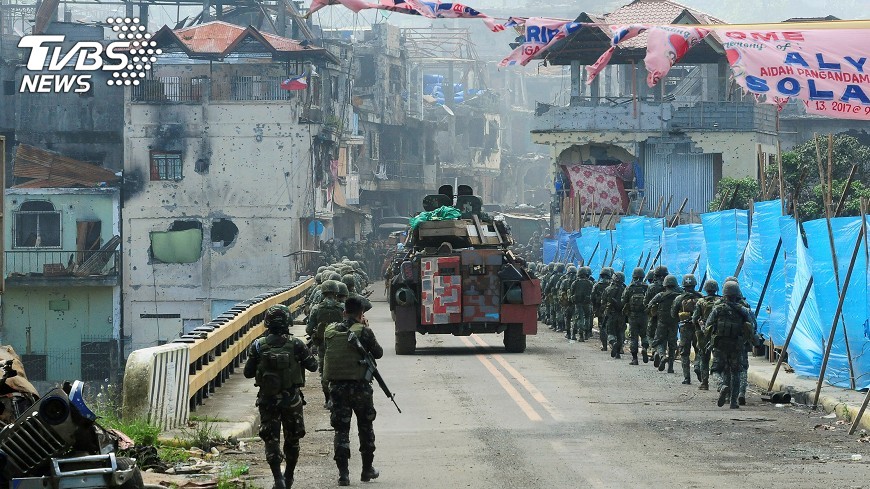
544,275
598,289
683,308
702,342
728,326
666,326
635,311
655,286
329,310
552,295
351,287
750,340
581,295
349,390
613,307
276,361
567,304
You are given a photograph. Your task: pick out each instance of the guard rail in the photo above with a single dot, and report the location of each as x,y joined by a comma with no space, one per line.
164,383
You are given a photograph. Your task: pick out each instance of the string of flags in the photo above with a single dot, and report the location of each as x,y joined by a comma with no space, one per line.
823,64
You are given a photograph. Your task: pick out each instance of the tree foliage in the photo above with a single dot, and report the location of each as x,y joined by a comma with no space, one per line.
803,160
747,190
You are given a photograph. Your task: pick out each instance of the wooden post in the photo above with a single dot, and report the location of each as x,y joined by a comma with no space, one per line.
676,218
794,322
836,319
759,162
659,207
769,273
668,207
642,203
866,252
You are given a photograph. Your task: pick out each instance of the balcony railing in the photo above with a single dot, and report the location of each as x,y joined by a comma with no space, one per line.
61,265
174,89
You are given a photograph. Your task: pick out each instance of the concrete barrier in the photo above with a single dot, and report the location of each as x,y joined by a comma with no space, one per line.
164,383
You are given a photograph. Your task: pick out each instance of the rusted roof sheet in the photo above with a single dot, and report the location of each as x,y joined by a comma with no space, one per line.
47,169
218,39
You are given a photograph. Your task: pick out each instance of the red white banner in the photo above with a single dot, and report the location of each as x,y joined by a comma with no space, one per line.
599,187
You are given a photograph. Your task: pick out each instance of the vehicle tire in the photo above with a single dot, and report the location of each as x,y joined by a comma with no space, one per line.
406,342
514,339
136,481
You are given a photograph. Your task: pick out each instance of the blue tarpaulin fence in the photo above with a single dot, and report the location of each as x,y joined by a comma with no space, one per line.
718,244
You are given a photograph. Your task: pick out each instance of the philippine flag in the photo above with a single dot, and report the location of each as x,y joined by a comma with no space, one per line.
295,83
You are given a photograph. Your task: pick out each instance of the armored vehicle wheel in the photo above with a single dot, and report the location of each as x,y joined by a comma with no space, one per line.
514,339
406,342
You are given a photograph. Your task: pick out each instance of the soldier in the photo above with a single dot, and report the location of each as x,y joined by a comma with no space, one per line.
276,362
750,340
666,325
728,326
329,310
551,294
349,390
614,315
702,342
567,305
655,286
598,289
683,308
632,300
544,276
351,287
581,295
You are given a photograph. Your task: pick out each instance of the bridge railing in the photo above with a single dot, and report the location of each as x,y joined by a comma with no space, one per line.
164,383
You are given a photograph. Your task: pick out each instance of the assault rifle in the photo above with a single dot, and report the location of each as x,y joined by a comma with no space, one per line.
371,367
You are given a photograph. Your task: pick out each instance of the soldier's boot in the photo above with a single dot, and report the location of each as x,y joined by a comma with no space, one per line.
368,472
343,472
645,355
698,373
292,457
670,365
687,376
613,351
656,359
704,386
275,466
735,392
724,395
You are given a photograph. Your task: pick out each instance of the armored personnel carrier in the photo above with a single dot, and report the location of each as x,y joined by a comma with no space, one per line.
459,276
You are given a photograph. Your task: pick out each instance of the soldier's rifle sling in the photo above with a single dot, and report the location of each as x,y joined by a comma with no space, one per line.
369,362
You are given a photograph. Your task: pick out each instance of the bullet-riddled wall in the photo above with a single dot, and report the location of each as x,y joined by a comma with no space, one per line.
220,190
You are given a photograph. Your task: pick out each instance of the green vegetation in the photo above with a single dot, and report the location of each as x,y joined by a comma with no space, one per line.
227,478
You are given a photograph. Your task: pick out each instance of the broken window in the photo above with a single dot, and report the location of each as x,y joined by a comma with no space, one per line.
166,165
374,145
181,244
367,72
395,78
223,233
491,135
37,225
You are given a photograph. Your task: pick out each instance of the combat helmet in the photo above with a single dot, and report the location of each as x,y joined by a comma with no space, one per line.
349,281
277,318
560,267
334,276
320,269
329,287
670,282
318,279
661,271
689,281
585,272
711,286
606,272
637,274
731,278
731,289
571,269
619,277
650,276
343,290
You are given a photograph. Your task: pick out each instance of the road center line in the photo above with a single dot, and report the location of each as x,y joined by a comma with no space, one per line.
506,385
528,386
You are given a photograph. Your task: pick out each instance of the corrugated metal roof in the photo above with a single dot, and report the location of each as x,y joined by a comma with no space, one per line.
211,38
219,39
656,12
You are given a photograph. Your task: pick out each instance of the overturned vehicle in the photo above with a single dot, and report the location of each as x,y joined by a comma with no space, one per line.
458,276
54,441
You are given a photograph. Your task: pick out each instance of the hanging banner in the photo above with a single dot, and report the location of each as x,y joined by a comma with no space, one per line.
540,35
825,68
666,46
620,33
450,10
355,5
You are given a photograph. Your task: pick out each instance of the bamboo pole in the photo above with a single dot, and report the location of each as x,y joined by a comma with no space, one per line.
767,279
668,207
659,207
724,198
780,176
794,322
759,163
676,218
836,319
830,169
642,203
842,201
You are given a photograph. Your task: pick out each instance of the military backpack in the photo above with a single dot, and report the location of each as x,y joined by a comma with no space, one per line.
341,360
277,370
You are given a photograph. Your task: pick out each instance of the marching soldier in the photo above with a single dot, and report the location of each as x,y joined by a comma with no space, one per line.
702,345
683,308
632,300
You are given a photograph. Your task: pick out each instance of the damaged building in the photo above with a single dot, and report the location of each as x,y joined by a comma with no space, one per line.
686,133
223,169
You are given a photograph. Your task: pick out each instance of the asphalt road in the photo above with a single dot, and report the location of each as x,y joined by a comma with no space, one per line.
567,415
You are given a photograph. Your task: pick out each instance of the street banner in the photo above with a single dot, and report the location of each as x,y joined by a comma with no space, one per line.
540,35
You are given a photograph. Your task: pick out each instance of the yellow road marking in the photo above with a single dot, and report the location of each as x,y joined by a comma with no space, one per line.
506,385
528,386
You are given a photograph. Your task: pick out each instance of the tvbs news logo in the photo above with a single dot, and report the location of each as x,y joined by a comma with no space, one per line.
59,69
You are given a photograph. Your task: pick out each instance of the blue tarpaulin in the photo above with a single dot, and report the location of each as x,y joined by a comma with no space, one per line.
726,234
763,242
